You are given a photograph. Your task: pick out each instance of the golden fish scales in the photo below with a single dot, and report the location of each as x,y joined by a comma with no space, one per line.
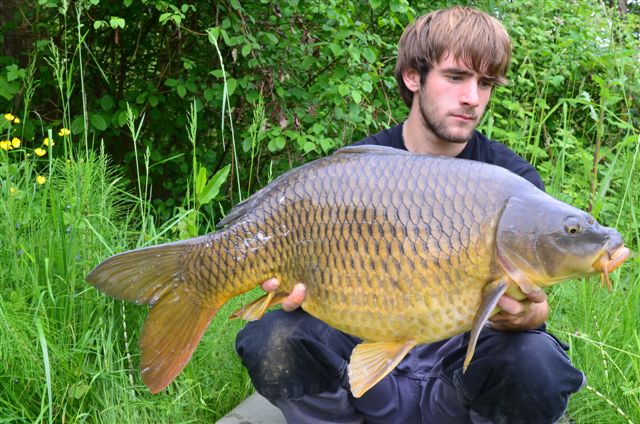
395,248
400,262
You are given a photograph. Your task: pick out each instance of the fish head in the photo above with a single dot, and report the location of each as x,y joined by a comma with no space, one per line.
541,241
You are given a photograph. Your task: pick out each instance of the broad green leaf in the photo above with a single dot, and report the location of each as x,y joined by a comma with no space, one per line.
231,86
182,90
122,118
116,22
326,144
276,144
212,189
209,94
308,147
98,122
369,54
164,17
272,37
15,73
77,125
344,89
106,102
354,53
8,89
213,34
336,49
201,179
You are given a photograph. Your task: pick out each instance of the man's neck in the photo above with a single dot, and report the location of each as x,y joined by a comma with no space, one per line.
419,139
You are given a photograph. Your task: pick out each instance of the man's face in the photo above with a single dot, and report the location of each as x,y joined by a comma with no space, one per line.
452,100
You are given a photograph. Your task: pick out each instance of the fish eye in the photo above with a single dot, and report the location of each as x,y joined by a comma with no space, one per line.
572,226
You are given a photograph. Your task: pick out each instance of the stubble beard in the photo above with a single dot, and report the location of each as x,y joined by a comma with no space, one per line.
440,128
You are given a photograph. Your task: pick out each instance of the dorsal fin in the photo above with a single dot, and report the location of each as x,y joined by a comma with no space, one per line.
371,149
239,211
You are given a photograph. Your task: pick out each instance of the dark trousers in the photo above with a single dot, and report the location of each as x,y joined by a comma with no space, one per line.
300,364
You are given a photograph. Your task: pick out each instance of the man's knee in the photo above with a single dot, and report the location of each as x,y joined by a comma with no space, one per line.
289,354
525,375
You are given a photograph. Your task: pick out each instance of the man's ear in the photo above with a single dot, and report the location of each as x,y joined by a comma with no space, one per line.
411,79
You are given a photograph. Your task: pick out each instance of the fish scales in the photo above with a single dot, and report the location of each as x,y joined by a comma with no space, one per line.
392,247
337,198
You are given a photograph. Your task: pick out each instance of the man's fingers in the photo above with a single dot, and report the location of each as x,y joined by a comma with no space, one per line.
270,285
510,305
295,298
537,297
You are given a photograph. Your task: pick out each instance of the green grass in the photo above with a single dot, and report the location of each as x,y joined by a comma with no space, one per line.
602,328
67,352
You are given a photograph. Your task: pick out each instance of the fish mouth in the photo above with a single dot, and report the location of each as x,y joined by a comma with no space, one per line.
610,260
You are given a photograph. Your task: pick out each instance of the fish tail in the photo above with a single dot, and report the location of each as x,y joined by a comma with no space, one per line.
179,314
171,333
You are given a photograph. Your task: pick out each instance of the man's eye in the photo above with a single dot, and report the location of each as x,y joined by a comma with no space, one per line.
486,83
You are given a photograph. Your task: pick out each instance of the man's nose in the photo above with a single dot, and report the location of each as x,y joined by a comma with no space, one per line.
470,95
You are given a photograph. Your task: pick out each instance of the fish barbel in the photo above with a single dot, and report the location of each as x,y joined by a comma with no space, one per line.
396,248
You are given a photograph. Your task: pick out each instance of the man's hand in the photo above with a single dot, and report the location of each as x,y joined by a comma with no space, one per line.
295,298
526,314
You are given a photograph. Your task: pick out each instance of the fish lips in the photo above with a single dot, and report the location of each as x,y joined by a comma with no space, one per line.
613,255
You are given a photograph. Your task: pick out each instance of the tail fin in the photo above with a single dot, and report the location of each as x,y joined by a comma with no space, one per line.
171,333
177,319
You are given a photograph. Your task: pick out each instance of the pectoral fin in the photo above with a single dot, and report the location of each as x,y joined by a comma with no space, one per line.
256,309
372,361
490,296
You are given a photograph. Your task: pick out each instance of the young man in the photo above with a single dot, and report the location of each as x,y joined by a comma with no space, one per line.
448,63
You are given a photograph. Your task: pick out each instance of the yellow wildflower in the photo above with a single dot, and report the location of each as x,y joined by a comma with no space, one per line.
16,120
40,179
15,142
47,142
40,151
12,190
63,132
5,145
9,117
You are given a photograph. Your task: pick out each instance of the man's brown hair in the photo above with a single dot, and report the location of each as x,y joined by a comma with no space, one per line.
472,36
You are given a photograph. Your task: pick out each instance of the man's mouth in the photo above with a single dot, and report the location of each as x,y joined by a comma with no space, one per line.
464,117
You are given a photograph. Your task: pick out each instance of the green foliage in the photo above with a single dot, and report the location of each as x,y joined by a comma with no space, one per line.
324,72
248,89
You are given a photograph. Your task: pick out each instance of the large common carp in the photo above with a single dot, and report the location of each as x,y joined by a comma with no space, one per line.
396,248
